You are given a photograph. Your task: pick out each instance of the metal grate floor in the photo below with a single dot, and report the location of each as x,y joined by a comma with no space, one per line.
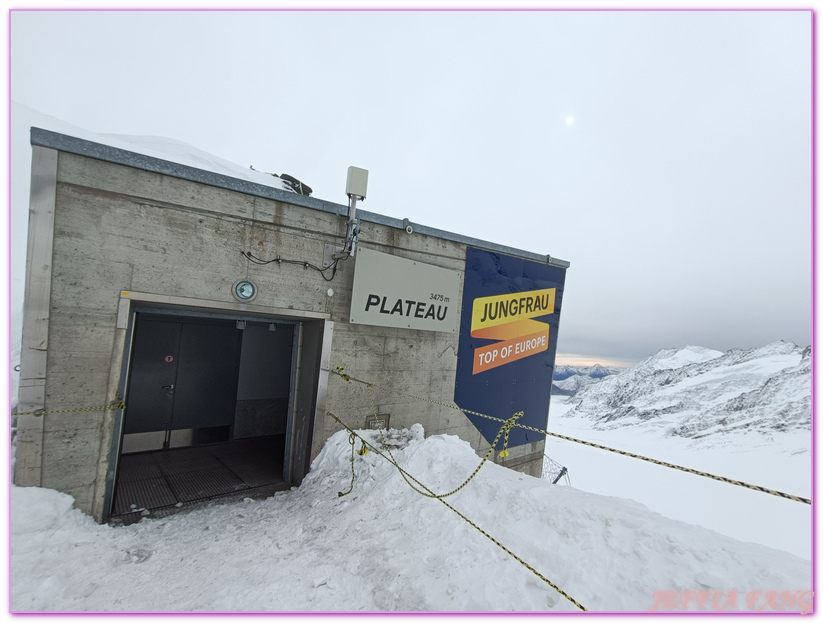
163,479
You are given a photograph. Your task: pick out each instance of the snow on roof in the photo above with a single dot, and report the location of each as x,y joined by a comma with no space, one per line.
24,118
178,152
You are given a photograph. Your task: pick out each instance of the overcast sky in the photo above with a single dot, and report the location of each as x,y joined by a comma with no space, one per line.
665,154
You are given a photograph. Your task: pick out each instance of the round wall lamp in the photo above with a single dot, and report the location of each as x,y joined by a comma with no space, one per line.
244,290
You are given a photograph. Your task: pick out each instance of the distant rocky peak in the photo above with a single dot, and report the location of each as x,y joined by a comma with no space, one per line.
698,392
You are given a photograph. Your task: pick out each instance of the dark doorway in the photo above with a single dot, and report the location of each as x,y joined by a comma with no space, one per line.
208,401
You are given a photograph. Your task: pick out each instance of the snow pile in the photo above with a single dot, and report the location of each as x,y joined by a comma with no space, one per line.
384,547
695,392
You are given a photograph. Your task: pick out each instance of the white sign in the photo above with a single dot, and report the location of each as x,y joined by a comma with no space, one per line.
391,291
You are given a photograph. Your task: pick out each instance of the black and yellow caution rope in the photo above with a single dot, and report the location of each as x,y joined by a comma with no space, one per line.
424,490
688,470
504,430
119,405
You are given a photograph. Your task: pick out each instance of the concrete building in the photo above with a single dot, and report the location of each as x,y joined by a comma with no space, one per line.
159,345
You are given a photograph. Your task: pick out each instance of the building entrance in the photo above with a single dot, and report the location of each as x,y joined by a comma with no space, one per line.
208,405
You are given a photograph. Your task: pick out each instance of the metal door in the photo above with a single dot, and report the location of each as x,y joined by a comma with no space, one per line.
153,376
310,399
183,375
206,388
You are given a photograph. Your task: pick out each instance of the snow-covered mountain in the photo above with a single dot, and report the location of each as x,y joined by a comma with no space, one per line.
596,371
567,380
695,392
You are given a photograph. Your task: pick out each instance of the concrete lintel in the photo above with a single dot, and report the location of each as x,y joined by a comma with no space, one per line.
180,302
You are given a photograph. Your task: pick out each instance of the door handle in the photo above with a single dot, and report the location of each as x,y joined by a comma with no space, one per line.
168,386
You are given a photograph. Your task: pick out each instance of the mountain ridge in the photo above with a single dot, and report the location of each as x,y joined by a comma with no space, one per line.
695,392
567,380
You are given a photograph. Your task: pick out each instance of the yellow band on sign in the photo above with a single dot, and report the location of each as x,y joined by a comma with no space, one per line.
507,317
492,311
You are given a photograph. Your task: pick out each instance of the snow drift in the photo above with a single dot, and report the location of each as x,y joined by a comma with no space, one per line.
384,547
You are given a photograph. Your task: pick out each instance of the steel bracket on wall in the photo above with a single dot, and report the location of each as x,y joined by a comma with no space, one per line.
329,253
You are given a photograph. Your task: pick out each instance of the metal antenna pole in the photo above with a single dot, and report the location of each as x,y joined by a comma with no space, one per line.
353,227
356,183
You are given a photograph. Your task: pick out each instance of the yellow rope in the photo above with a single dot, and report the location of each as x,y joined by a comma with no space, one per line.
506,426
340,494
689,470
120,405
429,493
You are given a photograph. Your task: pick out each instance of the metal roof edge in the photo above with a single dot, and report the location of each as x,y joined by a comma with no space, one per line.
116,155
417,228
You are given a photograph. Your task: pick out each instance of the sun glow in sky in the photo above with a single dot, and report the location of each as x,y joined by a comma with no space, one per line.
585,360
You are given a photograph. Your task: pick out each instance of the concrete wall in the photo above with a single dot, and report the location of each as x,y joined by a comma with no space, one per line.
118,228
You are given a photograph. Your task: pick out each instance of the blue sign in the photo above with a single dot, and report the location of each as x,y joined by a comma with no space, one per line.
508,341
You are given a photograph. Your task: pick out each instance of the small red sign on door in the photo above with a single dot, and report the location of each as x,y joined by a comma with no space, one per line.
168,358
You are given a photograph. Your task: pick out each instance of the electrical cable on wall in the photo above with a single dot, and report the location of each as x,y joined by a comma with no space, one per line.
252,258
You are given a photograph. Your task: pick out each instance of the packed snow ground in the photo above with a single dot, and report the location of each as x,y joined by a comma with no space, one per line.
781,461
384,547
